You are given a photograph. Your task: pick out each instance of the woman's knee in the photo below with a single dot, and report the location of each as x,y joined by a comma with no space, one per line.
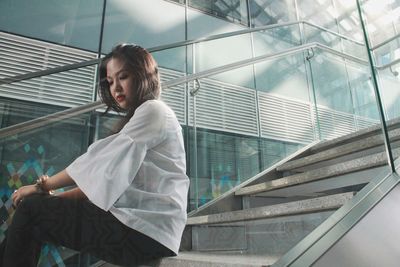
30,203
28,208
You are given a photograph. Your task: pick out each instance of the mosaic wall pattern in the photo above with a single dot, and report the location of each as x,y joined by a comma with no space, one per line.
13,175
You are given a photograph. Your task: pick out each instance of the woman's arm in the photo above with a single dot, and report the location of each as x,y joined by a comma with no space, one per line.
75,193
59,180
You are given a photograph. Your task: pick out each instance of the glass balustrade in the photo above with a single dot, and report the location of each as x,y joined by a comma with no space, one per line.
45,150
322,98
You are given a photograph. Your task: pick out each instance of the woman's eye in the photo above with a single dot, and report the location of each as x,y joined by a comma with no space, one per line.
123,76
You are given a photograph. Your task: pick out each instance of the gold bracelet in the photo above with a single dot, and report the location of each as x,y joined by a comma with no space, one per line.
40,184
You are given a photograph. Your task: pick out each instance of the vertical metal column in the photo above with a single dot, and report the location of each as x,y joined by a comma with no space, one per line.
195,170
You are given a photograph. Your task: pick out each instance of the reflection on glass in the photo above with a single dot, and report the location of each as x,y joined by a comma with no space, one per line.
46,150
390,94
387,53
354,49
224,160
321,13
381,17
26,56
285,77
13,111
224,51
265,12
172,59
334,103
276,40
231,10
249,237
390,91
146,23
74,23
348,19
313,34
331,86
273,151
363,96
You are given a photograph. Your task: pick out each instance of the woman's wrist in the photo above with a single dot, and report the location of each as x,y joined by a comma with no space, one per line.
41,185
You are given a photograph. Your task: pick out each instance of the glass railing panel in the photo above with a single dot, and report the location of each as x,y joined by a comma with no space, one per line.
333,97
13,111
224,160
177,60
349,25
390,91
314,34
266,238
35,97
224,51
276,40
381,18
223,141
285,76
45,150
362,94
236,132
355,49
387,52
390,95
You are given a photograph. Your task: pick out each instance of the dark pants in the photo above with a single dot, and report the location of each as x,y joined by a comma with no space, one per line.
76,224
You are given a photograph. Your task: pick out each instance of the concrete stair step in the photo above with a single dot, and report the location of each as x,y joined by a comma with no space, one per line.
278,210
335,152
358,164
235,258
367,132
205,259
320,187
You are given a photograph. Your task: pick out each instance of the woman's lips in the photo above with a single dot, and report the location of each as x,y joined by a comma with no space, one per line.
120,98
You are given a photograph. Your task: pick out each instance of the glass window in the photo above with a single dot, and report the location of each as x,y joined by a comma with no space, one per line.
266,12
74,23
148,24
232,10
321,13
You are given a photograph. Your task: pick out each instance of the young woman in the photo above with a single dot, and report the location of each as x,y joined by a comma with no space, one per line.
129,203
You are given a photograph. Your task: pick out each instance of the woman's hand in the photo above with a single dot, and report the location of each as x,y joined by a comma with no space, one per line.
22,192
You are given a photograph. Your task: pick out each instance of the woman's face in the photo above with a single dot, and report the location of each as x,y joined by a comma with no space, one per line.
120,80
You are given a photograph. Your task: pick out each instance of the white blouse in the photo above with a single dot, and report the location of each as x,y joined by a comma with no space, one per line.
139,174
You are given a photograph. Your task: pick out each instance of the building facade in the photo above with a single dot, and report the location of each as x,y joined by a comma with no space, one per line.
241,121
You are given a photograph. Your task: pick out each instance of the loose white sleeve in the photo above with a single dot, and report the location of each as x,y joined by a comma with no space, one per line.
109,166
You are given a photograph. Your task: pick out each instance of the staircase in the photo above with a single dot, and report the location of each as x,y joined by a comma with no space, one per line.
285,203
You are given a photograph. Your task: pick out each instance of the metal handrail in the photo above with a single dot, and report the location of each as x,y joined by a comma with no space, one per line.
91,62
394,62
45,120
385,42
42,121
